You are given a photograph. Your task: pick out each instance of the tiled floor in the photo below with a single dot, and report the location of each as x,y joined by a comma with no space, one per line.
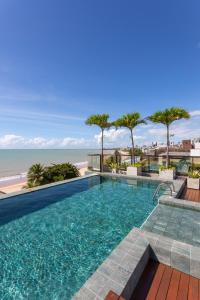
176,223
160,282
191,195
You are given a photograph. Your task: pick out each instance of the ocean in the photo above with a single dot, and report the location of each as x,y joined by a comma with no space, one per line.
14,162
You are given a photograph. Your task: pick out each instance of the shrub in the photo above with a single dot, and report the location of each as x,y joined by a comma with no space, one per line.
38,175
170,167
137,152
114,165
35,175
137,165
195,167
124,165
194,174
110,160
60,172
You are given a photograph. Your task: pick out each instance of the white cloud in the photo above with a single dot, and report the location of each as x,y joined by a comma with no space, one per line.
111,135
10,140
116,138
195,113
16,141
112,138
73,142
157,131
184,129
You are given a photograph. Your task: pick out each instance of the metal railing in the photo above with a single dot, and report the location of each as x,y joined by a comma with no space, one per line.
168,184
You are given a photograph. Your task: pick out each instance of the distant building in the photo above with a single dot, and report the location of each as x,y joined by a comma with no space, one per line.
186,145
196,150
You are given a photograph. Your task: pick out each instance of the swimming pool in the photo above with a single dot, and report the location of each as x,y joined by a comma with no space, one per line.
53,239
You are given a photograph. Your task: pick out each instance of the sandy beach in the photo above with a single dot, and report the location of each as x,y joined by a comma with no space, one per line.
16,185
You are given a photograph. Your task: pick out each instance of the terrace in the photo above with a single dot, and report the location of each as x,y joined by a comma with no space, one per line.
153,261
150,163
160,260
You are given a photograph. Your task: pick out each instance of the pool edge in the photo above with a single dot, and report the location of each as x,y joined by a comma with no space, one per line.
46,186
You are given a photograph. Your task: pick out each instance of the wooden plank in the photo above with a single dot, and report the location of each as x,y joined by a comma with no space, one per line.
191,195
164,285
193,289
161,282
199,289
183,287
197,196
194,194
174,284
156,283
112,296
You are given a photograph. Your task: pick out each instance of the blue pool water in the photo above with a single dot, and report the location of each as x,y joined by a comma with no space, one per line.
52,240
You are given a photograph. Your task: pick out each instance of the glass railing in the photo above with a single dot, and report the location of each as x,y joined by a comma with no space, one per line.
150,164
94,162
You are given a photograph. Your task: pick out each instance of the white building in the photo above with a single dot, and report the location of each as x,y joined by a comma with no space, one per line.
196,150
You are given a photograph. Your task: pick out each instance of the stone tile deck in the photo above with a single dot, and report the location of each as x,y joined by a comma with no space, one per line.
176,223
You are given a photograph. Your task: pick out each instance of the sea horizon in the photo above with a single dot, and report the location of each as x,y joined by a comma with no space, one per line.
17,161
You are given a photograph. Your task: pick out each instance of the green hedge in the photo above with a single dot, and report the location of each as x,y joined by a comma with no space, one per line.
39,175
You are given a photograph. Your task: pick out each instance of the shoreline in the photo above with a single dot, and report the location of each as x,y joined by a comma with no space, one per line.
15,183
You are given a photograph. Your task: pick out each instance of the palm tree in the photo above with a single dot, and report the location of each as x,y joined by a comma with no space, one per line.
102,122
167,117
130,121
35,175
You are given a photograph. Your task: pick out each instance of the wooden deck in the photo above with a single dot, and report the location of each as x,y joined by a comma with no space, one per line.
191,195
160,282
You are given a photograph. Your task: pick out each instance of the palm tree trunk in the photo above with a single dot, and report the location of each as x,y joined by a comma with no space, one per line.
132,150
168,144
102,149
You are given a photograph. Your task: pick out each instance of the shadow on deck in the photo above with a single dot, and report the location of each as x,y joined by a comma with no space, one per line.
161,282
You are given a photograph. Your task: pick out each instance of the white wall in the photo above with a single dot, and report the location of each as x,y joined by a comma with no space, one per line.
197,145
195,152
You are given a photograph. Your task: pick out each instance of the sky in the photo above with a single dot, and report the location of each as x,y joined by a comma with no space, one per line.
63,60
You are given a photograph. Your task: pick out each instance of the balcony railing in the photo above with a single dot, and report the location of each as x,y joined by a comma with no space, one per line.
150,163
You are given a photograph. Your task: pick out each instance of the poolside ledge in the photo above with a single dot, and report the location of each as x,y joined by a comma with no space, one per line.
120,272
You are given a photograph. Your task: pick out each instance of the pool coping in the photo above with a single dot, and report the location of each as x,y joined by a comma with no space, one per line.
45,186
180,203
